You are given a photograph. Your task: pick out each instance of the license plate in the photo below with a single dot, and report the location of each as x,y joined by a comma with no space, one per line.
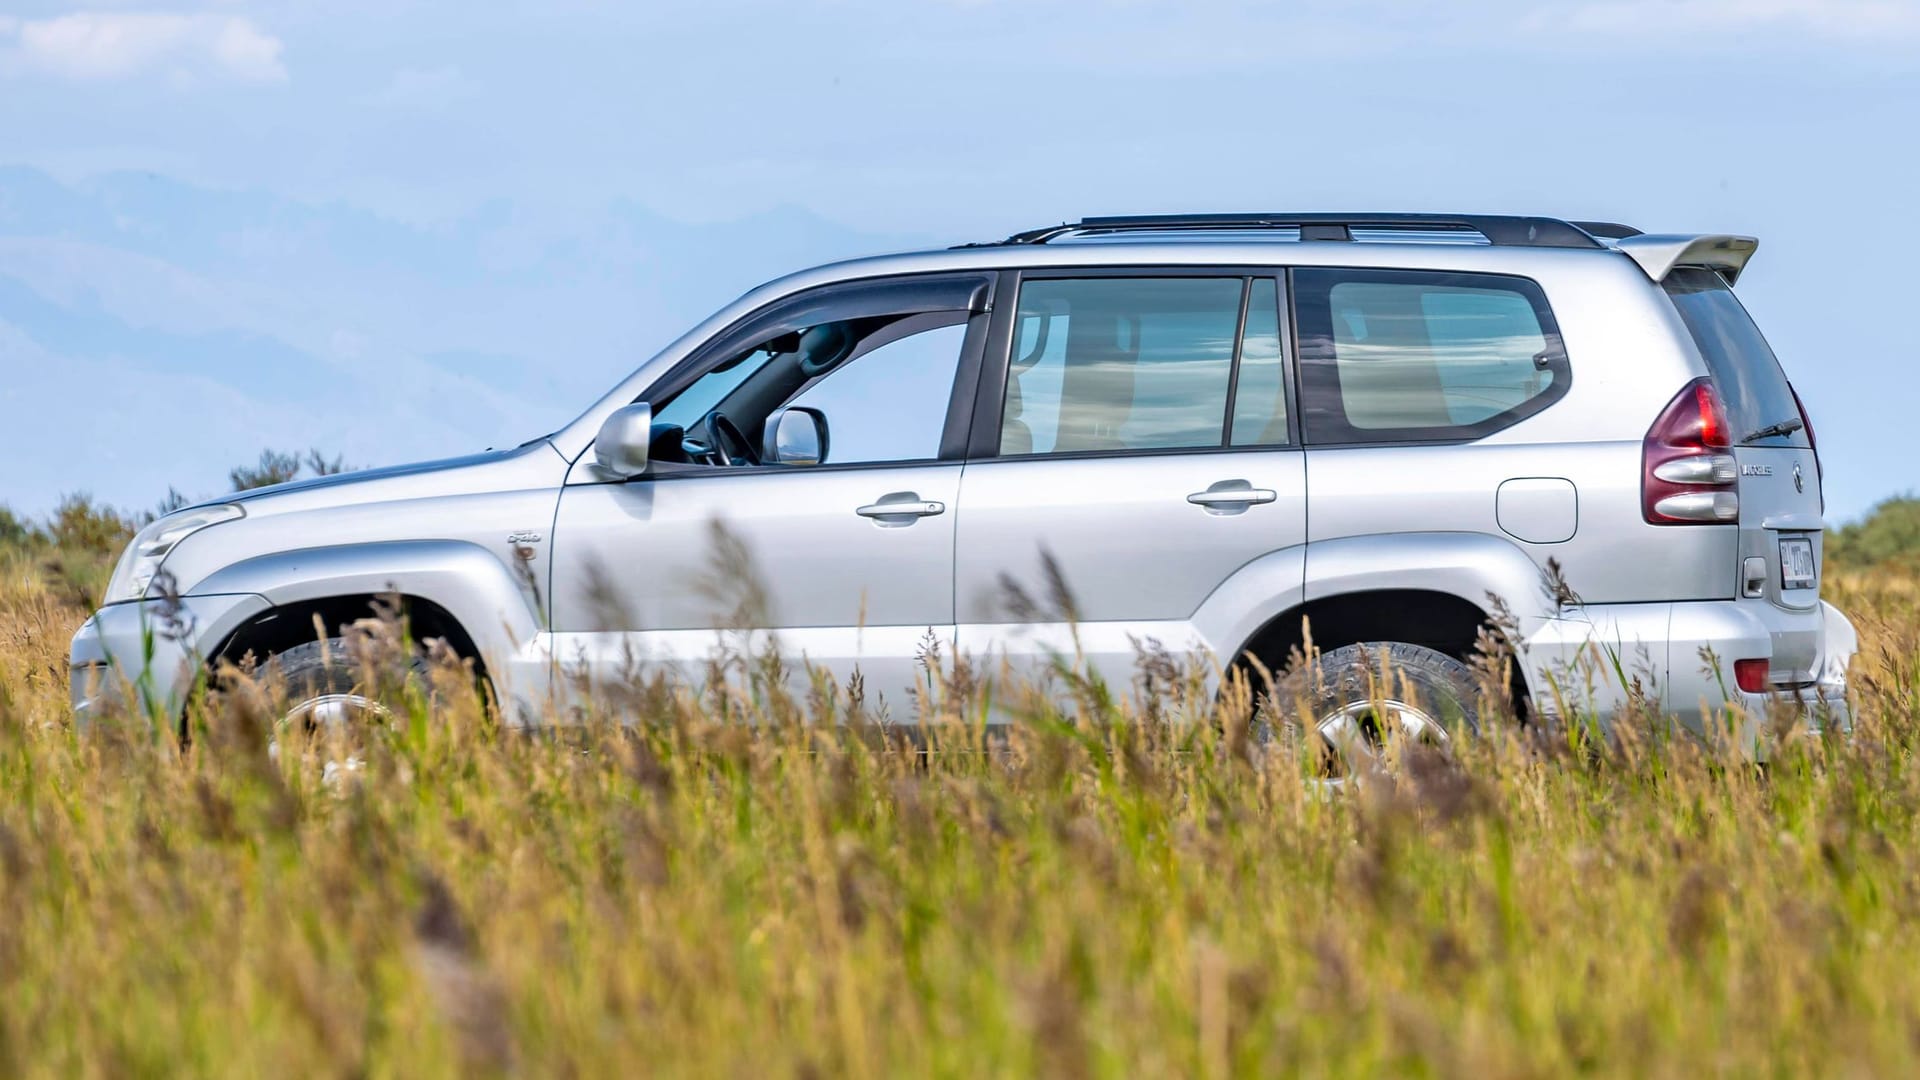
1796,564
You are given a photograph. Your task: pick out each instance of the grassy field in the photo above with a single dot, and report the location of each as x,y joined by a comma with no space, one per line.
1115,891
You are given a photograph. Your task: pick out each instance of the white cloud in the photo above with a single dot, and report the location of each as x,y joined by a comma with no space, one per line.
1828,18
95,45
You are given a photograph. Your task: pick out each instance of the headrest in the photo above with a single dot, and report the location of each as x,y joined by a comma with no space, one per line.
823,347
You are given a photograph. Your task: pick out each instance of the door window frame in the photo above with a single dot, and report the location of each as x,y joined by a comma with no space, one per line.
968,293
990,400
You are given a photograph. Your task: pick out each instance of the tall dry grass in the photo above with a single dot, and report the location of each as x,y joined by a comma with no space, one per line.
736,884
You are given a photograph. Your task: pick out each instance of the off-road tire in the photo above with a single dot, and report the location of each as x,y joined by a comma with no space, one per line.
1438,684
327,667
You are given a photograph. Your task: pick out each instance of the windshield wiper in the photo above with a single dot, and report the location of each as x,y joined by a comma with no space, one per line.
1784,427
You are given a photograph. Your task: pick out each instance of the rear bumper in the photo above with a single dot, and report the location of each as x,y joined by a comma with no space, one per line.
1596,660
1815,709
143,656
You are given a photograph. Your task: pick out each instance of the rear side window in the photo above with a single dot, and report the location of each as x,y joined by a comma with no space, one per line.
1418,356
1144,363
1743,366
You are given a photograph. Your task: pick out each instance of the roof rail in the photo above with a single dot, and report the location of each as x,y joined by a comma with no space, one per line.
1501,229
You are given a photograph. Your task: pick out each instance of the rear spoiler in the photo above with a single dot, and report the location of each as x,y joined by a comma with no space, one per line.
1658,255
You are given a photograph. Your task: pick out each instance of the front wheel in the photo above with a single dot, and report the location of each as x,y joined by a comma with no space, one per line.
333,693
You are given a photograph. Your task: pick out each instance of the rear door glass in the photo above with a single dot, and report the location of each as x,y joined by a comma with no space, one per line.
1416,356
1742,364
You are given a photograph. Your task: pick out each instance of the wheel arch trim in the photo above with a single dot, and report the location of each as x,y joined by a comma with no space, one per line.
465,580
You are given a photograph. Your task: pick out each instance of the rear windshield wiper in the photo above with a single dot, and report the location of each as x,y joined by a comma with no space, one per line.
1784,427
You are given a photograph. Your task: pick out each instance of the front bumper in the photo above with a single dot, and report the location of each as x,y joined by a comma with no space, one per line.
142,657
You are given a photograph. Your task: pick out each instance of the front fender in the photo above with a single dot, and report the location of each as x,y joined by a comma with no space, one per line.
474,586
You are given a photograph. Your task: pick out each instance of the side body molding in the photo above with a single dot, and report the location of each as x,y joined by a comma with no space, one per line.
474,586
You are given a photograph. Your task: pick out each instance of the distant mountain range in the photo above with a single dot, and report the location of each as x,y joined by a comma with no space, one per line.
154,333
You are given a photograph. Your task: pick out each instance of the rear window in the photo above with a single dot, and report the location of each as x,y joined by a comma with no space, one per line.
1417,356
1743,366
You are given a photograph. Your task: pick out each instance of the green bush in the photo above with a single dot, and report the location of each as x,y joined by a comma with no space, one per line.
1891,533
275,467
15,534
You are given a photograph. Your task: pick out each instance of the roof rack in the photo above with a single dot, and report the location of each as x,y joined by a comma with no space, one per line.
1500,229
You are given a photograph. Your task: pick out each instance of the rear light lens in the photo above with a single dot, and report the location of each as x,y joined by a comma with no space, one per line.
1751,675
1687,472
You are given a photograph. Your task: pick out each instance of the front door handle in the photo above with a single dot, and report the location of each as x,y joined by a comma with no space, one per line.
901,508
1240,494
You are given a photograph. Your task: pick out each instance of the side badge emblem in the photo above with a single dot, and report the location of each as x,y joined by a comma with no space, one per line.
523,538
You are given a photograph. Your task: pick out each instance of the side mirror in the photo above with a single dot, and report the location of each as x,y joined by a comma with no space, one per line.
795,436
620,450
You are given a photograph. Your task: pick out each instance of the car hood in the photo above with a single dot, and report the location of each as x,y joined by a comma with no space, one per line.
533,464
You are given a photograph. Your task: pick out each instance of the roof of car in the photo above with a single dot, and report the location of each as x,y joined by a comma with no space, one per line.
1485,243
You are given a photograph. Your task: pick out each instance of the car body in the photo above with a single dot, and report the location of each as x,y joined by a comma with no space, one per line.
1200,432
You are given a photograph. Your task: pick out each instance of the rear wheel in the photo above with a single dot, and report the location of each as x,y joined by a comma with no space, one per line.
1363,704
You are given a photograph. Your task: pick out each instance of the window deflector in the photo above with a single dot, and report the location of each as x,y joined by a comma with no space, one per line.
965,294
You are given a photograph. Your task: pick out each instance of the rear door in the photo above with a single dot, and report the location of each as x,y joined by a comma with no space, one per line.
1405,376
1133,450
1779,486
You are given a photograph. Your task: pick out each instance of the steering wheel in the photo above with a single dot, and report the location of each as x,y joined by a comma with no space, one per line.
723,445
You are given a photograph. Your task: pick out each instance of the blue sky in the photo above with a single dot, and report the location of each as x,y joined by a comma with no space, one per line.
396,230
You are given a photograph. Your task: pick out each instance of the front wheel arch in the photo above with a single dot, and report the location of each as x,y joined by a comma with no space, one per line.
288,626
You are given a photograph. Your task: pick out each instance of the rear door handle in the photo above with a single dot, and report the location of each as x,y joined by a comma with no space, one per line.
901,507
1238,496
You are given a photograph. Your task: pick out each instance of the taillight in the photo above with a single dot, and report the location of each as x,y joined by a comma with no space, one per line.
1751,675
1687,476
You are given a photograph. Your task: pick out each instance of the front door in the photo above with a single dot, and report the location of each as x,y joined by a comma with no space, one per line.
1139,483
717,557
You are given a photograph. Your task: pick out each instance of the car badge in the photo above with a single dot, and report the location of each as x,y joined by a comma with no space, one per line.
1799,482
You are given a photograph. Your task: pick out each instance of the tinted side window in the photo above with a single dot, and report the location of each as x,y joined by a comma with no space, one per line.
1136,363
1398,356
1744,368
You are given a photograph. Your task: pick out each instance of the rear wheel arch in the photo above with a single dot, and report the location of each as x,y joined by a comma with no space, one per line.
1440,621
1444,622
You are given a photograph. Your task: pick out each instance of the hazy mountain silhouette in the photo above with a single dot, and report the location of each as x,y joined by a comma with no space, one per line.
154,333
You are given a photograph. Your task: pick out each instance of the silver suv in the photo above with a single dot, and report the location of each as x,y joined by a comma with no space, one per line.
1219,433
